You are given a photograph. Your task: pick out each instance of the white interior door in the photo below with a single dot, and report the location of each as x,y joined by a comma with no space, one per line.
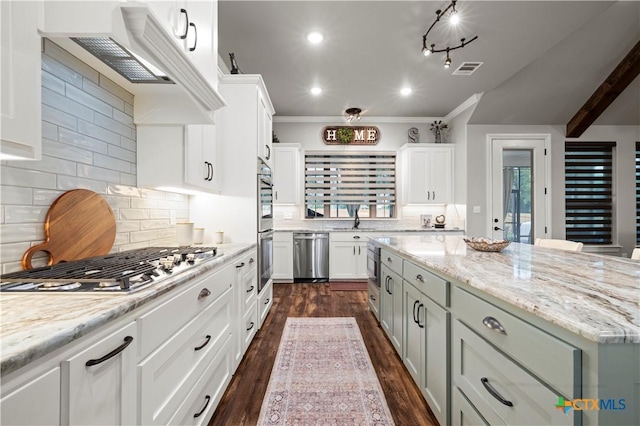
519,210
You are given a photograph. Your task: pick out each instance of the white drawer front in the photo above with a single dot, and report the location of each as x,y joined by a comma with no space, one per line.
249,326
374,299
553,360
167,376
265,301
393,261
345,237
428,283
159,324
503,393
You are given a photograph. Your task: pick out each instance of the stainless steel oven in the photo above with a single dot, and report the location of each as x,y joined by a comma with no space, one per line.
265,224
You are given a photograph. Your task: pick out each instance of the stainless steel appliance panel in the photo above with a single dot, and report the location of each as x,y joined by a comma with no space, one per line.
311,257
265,197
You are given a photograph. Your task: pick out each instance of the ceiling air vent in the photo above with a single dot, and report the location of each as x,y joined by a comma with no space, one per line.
467,68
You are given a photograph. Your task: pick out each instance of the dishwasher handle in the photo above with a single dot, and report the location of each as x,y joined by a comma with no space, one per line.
311,237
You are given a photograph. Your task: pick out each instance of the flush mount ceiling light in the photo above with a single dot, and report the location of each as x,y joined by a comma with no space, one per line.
315,37
353,114
454,18
406,91
315,91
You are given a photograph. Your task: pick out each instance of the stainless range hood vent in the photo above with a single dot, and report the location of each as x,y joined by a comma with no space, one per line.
120,60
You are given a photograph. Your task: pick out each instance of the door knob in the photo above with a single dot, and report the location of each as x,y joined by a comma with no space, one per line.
495,228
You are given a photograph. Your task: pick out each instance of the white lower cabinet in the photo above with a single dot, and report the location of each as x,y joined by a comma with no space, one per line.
99,382
347,256
245,301
391,316
462,411
17,407
373,293
265,301
283,257
426,354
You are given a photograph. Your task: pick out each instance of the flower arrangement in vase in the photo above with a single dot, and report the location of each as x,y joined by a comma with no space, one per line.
437,127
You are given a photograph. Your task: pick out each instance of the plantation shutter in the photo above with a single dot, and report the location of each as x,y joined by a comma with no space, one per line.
588,191
638,193
355,179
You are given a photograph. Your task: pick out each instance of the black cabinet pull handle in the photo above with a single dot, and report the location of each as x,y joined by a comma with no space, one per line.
206,342
356,237
266,302
268,151
240,265
372,298
251,326
389,260
414,311
206,404
206,164
204,293
419,278
493,324
425,317
211,175
195,41
116,351
250,289
494,393
186,24
434,195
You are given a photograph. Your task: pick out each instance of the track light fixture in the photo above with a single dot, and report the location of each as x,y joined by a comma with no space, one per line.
353,114
454,18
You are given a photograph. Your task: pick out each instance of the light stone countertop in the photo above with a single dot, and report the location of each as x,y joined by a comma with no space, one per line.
365,229
33,325
594,296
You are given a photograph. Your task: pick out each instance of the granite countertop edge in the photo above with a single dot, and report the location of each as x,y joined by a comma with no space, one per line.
19,348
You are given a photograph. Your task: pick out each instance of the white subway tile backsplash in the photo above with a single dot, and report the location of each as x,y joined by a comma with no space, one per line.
1,214
139,236
53,148
174,196
127,143
132,214
102,95
68,182
27,178
53,83
123,154
48,164
49,131
117,202
111,163
121,238
45,197
68,106
86,99
128,108
25,214
159,214
152,193
128,225
21,232
136,245
57,69
11,267
128,179
114,126
98,132
154,224
167,233
59,118
123,190
83,141
123,118
116,90
68,60
13,251
16,195
98,173
144,203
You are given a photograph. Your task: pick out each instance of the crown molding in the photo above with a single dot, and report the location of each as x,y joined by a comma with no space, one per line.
363,120
473,100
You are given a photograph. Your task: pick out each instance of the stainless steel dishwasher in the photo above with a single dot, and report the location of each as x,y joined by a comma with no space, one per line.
311,256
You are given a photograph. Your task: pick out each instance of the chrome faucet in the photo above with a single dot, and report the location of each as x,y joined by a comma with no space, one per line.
356,221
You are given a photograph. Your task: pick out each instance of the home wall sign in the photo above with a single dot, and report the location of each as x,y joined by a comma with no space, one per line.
350,135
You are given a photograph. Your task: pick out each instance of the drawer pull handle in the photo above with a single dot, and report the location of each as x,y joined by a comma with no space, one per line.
204,293
251,326
240,265
250,289
266,302
419,278
116,351
372,298
493,324
206,342
389,260
251,260
356,237
206,404
494,393
186,24
425,317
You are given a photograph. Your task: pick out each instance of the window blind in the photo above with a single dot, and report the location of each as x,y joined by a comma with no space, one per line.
350,179
638,193
589,191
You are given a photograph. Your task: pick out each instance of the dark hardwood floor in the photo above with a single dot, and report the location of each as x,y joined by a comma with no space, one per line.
241,403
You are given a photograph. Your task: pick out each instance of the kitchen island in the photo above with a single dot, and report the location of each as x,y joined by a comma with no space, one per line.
519,331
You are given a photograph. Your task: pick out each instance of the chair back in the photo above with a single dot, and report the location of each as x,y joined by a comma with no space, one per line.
635,254
559,244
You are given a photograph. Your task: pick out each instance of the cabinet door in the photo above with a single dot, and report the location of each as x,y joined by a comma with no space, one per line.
20,131
342,260
17,408
463,412
200,164
361,261
386,300
283,259
435,362
414,333
201,45
105,392
286,179
264,130
395,283
416,185
441,175
430,174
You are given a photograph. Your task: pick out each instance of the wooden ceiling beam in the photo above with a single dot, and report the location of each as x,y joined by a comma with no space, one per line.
626,71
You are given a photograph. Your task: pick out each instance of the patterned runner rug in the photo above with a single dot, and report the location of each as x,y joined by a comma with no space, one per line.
323,376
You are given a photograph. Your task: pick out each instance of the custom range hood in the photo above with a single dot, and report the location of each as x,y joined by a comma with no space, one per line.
128,43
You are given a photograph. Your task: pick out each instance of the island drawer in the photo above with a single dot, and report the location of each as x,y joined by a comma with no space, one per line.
349,237
548,357
502,391
159,324
393,261
427,282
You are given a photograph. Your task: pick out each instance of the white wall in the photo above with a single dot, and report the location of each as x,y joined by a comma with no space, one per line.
625,138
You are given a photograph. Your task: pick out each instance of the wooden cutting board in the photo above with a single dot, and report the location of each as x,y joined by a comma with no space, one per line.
79,224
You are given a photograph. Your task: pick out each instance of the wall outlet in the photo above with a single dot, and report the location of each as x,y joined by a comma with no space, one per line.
172,217
477,209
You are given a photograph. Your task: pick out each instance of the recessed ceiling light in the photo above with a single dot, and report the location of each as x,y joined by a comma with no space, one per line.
316,91
314,37
406,91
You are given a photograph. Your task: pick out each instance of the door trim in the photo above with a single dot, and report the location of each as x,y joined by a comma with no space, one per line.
547,173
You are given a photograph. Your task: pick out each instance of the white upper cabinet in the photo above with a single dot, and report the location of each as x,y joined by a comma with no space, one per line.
286,173
20,131
265,125
427,176
201,157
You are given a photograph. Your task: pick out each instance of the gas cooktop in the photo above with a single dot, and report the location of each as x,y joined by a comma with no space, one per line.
115,273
